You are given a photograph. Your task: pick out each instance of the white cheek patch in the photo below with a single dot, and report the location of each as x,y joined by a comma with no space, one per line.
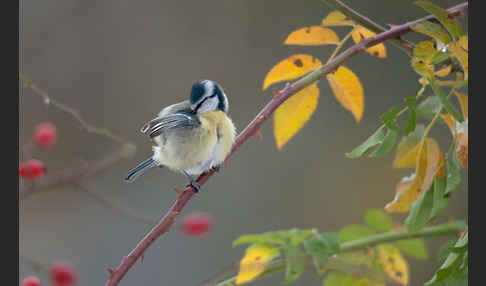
208,88
210,104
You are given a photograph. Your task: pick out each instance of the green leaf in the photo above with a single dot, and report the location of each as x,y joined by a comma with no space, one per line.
425,51
414,246
373,140
338,278
332,241
387,144
296,262
412,119
271,237
453,173
319,251
354,231
420,211
378,219
297,236
445,102
441,15
432,30
440,57
429,107
440,200
389,118
444,250
453,267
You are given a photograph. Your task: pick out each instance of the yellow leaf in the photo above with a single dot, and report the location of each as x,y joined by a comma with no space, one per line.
423,68
291,68
337,18
256,258
393,263
462,143
406,156
463,102
428,163
292,115
444,72
460,51
312,36
451,123
359,33
348,90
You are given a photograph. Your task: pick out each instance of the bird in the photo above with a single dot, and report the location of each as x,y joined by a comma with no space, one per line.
192,136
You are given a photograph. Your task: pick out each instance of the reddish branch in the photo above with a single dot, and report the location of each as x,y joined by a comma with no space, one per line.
164,224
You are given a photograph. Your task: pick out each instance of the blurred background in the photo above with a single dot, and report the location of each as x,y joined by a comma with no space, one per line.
119,62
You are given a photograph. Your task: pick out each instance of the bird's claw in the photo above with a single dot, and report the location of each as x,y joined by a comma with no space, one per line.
217,168
195,185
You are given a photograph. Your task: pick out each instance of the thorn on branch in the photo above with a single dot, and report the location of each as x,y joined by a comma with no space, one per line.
179,192
276,93
111,272
258,133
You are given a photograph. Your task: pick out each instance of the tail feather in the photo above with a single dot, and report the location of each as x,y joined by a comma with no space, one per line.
140,169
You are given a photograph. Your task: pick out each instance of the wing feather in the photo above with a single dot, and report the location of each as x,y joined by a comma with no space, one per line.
158,125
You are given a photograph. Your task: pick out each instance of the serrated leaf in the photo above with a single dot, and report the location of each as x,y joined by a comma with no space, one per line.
360,33
452,266
354,231
440,200
429,107
337,18
296,262
339,278
394,265
463,101
462,143
374,139
460,51
441,15
444,71
387,144
407,149
389,118
312,36
453,173
412,119
294,113
332,241
420,211
432,30
257,257
319,251
445,102
378,219
414,247
425,51
291,68
423,68
429,161
348,90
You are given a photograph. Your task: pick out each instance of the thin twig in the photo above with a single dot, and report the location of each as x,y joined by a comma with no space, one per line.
168,219
404,45
29,83
90,190
77,172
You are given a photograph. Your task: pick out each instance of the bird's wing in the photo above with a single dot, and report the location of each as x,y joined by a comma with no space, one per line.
159,125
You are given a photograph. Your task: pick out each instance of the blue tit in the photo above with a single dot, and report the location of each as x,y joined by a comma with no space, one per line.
192,136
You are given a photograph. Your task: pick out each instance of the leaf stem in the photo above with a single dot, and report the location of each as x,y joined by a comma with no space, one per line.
340,45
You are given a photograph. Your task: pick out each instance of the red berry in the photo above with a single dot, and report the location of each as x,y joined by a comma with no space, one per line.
32,169
31,281
45,135
196,223
63,274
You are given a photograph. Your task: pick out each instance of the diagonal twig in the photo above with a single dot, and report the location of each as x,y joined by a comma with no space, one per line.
167,220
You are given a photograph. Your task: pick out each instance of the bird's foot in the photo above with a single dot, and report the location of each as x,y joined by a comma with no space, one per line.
217,168
195,185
